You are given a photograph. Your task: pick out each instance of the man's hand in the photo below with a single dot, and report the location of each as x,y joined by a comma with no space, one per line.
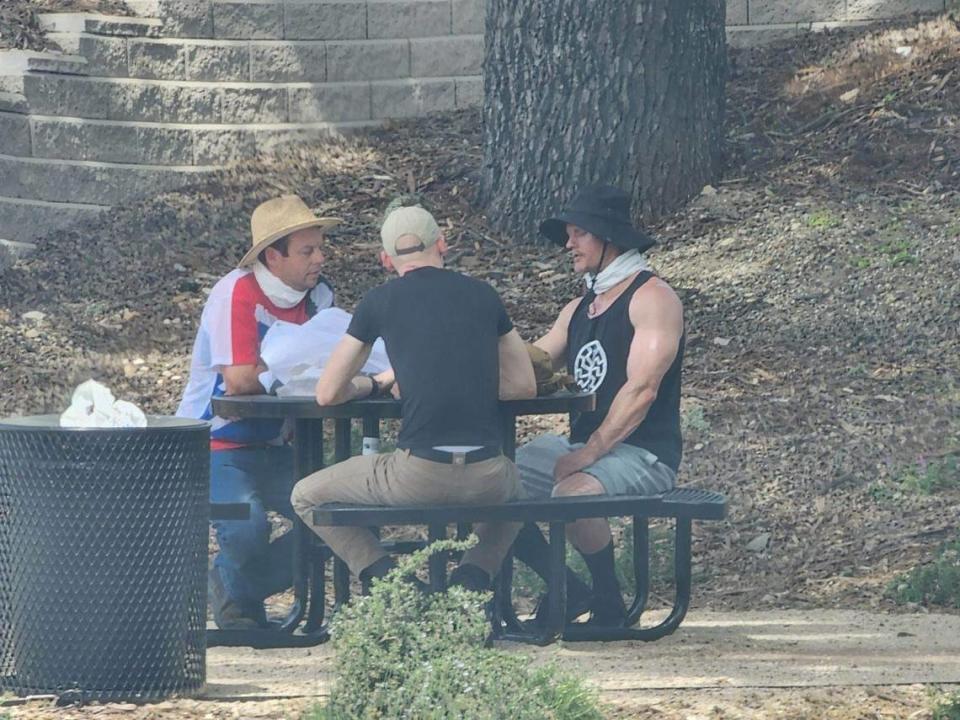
573,462
387,381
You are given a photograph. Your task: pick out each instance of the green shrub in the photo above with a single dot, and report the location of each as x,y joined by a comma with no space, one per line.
947,707
937,583
925,477
405,655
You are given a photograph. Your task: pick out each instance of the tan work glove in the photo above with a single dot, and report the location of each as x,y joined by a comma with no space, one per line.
548,381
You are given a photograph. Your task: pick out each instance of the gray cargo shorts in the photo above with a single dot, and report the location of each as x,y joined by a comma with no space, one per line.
625,470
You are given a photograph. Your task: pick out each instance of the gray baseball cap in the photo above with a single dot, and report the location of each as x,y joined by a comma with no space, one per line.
405,221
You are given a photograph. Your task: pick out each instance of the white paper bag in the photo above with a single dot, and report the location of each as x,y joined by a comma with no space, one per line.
297,354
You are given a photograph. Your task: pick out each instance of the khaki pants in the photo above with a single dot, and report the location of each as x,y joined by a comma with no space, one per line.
399,478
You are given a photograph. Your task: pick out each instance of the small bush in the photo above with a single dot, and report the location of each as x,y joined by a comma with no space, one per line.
404,655
925,477
937,583
947,707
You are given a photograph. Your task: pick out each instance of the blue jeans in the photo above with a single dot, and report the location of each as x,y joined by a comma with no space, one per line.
251,567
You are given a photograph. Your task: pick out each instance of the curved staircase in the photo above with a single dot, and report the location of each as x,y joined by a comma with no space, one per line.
138,105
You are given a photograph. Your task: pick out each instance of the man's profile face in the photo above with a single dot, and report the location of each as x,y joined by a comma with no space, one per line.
300,267
585,249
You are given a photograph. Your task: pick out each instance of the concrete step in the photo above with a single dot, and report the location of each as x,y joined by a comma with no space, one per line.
111,25
29,220
162,101
320,19
276,60
95,183
168,144
14,62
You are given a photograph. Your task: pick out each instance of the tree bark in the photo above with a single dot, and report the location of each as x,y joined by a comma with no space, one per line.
623,92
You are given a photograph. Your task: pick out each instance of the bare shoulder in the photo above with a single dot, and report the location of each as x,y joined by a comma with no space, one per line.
567,312
655,299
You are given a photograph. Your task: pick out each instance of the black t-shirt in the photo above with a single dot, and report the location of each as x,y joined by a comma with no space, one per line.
441,330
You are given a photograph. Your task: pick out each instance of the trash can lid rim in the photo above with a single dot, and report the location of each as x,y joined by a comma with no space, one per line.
47,423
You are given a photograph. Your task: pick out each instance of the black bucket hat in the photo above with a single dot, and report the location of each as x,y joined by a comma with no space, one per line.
601,210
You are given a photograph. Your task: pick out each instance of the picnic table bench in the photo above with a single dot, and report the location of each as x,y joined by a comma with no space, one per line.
682,504
310,556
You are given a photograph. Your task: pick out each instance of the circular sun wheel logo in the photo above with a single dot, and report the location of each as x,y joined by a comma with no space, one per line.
590,366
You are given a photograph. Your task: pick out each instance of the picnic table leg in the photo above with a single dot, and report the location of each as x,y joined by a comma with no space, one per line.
304,461
341,451
318,553
437,563
557,584
506,623
641,569
505,620
307,457
681,603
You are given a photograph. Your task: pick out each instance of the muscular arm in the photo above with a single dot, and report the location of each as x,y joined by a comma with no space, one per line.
657,318
338,382
555,341
516,371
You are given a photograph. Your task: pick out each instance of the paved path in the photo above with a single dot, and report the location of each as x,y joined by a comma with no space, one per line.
782,649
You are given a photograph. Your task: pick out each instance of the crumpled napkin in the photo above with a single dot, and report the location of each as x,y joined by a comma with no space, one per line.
93,405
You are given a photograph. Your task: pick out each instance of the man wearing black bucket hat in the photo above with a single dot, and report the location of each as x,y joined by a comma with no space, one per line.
623,340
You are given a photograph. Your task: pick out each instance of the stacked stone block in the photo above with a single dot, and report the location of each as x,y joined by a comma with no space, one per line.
144,104
148,104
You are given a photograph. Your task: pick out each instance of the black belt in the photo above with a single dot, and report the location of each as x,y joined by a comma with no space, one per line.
456,458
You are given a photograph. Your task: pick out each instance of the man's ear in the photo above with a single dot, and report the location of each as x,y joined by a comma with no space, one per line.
270,255
442,246
387,261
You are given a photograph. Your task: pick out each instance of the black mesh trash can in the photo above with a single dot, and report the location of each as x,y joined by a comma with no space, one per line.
103,557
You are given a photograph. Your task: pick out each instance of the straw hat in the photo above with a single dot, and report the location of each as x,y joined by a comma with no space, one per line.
278,217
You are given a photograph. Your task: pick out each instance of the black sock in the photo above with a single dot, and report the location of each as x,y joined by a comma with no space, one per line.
471,577
603,571
532,549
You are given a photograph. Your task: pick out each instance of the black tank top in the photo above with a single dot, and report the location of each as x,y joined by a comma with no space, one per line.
597,350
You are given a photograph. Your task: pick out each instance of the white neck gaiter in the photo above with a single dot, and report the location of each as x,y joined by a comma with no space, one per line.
279,293
622,267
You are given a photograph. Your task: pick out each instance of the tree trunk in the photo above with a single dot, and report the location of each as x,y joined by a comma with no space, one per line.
623,92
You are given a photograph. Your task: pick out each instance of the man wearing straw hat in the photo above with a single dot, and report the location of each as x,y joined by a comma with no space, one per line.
623,340
455,353
277,279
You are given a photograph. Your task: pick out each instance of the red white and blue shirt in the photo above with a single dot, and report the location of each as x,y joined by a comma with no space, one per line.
235,318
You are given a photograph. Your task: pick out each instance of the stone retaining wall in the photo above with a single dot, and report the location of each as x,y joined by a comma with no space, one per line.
146,104
753,22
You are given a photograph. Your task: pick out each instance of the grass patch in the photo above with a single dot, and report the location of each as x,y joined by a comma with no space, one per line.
936,583
947,707
401,654
925,477
822,220
898,252
693,418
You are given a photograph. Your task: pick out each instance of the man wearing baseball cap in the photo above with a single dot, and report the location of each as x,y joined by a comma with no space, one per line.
455,354
623,340
277,279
